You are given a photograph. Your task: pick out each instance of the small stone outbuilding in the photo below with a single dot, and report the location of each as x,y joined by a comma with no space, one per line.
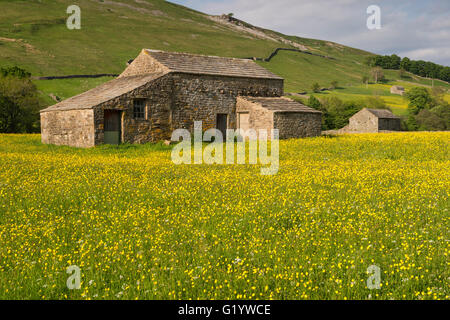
373,120
163,91
398,90
292,119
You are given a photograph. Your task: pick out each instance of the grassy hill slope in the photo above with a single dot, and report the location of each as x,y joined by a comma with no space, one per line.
33,35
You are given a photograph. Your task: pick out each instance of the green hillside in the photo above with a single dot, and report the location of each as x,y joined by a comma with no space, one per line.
34,36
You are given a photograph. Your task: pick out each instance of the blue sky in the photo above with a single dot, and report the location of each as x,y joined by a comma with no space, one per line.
418,29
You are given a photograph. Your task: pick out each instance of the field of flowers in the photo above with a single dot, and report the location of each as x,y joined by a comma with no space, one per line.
140,227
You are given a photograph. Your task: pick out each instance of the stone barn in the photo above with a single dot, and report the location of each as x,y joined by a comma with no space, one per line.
162,91
398,90
291,118
373,120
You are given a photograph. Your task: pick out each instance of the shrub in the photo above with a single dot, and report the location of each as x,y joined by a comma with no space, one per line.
334,84
419,98
19,103
430,121
313,102
364,79
14,72
315,87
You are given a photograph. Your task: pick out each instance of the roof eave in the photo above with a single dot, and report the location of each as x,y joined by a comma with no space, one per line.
275,77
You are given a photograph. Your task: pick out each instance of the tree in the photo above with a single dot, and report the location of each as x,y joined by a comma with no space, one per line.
315,87
411,123
334,84
405,63
401,73
394,62
430,121
420,67
10,115
445,74
365,80
419,98
377,74
443,112
313,102
19,109
14,72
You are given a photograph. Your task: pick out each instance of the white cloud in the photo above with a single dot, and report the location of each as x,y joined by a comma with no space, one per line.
431,54
416,27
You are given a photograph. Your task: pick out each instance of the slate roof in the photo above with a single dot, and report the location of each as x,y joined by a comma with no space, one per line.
210,65
382,113
104,92
280,104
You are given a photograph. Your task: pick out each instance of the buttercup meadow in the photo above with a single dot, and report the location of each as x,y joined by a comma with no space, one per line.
139,226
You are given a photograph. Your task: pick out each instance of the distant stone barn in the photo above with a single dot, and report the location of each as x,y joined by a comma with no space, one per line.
398,90
373,120
162,91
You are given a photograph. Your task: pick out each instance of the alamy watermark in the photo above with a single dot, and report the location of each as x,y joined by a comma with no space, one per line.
374,20
74,280
213,153
74,20
374,280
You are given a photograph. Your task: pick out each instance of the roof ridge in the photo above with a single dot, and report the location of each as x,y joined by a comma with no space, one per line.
280,104
379,113
199,55
189,63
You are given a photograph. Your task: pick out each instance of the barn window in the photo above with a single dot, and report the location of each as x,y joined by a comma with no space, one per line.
139,109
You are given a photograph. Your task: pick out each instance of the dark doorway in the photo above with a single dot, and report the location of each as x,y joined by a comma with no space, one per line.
222,124
112,127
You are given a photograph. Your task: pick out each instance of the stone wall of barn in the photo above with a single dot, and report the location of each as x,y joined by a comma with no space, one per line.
175,101
258,117
143,64
389,124
71,127
298,124
156,125
203,97
363,121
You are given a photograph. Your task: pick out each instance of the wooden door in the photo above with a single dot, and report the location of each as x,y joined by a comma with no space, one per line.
222,124
243,121
112,127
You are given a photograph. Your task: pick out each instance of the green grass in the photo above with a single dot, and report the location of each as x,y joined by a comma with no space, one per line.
140,227
66,88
